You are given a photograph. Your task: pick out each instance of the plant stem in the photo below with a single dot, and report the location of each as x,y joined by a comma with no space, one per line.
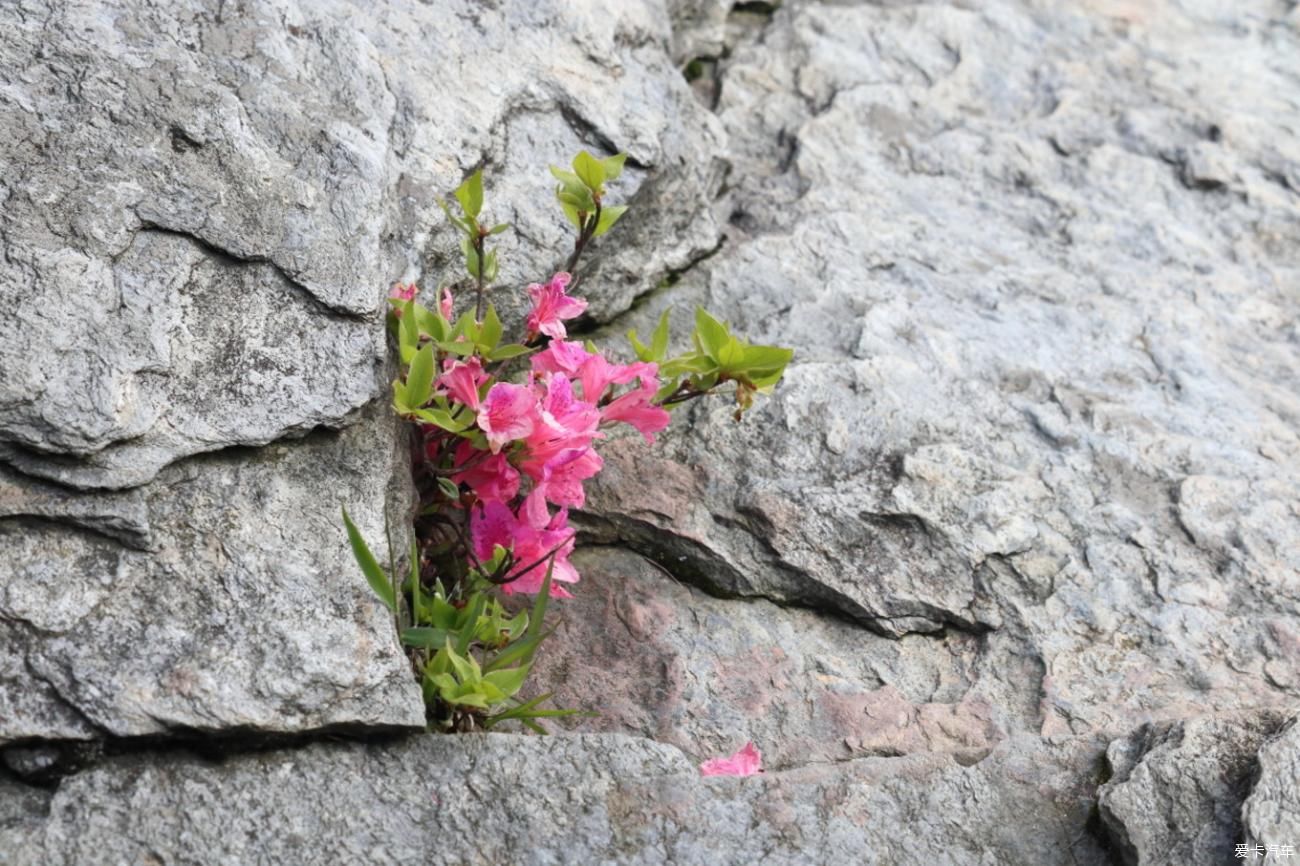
587,232
479,288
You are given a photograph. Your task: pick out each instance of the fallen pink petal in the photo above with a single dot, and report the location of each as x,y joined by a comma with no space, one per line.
745,762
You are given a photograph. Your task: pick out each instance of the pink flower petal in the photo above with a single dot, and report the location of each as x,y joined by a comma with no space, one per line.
745,762
508,412
551,305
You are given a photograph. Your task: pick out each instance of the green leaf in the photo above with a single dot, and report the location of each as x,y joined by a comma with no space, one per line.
579,199
431,322
449,488
567,179
442,419
466,327
571,214
613,165
470,194
521,650
464,348
471,256
446,683
466,635
509,350
444,613
711,333
525,712
439,664
590,170
664,392
490,266
766,362
489,334
415,579
379,582
465,667
419,378
517,624
658,342
508,681
408,329
692,362
498,228
400,404
424,637
731,356
470,699
659,339
464,225
609,216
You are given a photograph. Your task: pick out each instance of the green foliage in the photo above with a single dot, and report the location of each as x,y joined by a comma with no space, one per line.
658,347
480,262
470,195
379,582
581,191
472,653
718,357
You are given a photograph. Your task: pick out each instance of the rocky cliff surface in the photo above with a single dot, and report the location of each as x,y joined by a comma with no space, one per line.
1007,571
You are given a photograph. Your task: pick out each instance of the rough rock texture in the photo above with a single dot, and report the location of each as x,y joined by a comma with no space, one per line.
236,607
1032,485
663,660
597,800
1175,792
202,210
1045,389
1271,815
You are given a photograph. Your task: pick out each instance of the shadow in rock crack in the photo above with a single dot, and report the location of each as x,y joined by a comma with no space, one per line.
45,763
693,563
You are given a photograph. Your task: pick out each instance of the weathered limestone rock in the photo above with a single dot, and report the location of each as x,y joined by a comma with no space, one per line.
244,613
656,658
1175,793
1034,266
589,799
202,209
1271,814
1032,482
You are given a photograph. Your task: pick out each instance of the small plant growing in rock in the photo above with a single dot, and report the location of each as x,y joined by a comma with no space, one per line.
504,437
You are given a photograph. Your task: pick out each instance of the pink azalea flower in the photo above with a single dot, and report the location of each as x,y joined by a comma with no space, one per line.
636,408
745,762
565,422
445,303
403,292
560,478
597,374
531,541
509,412
492,479
462,380
561,356
551,306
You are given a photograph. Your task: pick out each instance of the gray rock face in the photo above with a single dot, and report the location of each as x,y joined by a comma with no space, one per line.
202,212
1030,487
661,660
244,613
1032,264
593,799
1176,791
1271,814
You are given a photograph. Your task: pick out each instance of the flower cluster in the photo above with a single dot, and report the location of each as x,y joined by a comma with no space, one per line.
538,439
505,436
